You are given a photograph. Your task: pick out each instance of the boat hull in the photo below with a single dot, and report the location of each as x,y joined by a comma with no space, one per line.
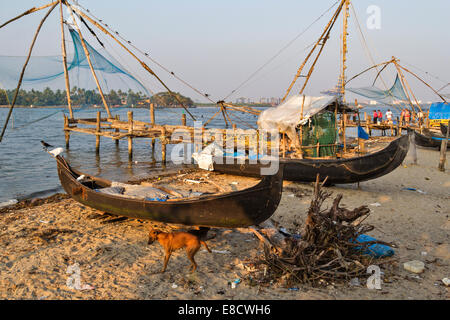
235,209
338,171
429,140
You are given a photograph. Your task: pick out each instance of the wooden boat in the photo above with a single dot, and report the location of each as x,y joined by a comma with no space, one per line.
338,171
429,139
230,210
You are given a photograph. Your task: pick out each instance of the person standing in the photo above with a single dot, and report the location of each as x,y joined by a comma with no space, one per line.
389,116
380,117
375,116
420,117
407,116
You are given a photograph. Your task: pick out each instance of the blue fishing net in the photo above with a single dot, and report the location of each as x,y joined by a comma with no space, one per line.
48,71
394,94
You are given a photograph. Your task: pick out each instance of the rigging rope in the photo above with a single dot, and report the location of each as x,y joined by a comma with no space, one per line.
279,52
205,95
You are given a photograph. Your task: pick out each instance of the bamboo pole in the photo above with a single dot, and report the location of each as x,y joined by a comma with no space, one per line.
143,64
97,130
344,124
130,134
405,82
301,127
88,57
322,38
117,130
63,48
442,157
34,9
66,131
163,145
24,68
152,121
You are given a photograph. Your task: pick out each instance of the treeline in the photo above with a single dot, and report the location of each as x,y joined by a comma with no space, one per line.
165,99
80,96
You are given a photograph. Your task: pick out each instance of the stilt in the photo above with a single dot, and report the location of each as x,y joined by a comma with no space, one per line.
97,136
163,145
117,117
130,134
152,121
66,132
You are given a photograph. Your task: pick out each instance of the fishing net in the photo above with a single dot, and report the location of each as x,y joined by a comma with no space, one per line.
394,94
48,71
321,129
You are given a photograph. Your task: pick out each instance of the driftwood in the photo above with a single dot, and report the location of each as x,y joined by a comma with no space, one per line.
325,250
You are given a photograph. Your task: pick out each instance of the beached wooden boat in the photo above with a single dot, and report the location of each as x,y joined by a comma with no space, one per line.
230,210
338,171
429,139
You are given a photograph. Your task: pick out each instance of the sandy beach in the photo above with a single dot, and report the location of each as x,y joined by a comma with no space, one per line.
41,240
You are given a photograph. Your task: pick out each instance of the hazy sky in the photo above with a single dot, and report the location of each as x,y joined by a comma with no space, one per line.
216,45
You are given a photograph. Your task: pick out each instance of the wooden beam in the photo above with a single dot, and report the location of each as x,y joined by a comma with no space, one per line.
88,57
63,48
24,68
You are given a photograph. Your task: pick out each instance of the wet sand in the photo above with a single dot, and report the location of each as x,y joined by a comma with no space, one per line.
41,241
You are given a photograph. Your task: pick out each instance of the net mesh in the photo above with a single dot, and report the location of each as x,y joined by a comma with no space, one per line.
321,129
48,70
394,94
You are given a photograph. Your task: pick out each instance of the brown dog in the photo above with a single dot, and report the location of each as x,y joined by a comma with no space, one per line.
177,240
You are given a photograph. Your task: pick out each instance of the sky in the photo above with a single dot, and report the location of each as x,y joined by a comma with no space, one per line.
216,45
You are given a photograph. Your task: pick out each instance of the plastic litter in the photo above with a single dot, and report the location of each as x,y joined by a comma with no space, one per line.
375,250
235,282
414,266
294,289
446,282
376,204
221,251
354,282
414,189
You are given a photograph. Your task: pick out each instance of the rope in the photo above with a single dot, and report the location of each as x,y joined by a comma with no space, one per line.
280,51
147,55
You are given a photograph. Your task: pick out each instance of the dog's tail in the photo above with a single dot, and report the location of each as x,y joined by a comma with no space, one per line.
204,243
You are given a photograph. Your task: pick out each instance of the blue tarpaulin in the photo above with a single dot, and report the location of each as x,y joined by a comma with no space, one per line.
362,134
439,110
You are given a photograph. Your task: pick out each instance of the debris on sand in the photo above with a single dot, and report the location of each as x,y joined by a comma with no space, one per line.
326,250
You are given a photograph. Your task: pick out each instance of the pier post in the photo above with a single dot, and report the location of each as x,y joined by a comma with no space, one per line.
66,131
163,145
130,134
97,131
152,121
183,119
117,130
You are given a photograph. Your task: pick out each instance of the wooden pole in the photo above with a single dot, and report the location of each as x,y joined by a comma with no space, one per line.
117,130
143,64
163,145
63,48
152,121
443,151
24,68
301,128
183,119
66,131
34,9
344,125
97,130
130,134
88,58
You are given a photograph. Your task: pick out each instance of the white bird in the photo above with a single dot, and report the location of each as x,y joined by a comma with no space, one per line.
57,151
